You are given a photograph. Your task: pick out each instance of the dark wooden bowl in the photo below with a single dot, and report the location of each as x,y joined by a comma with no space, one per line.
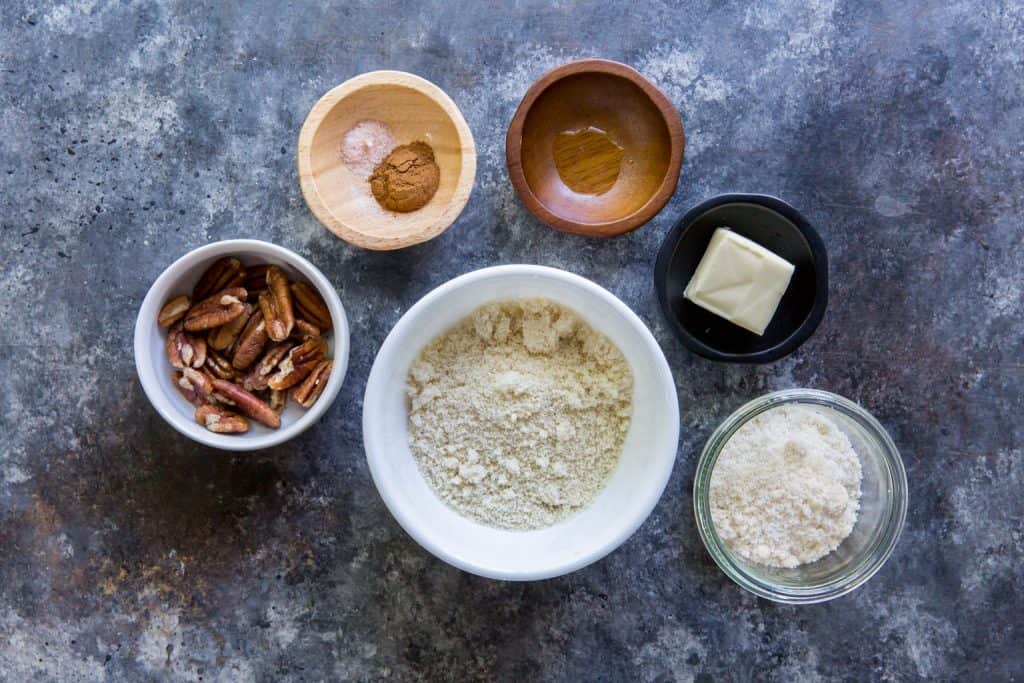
635,115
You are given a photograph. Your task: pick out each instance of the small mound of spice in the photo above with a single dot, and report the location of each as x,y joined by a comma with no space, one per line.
407,178
365,145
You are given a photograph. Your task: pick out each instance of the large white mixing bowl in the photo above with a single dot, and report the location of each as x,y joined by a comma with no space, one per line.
619,509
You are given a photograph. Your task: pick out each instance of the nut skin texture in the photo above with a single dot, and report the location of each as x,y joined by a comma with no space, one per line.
175,340
266,304
304,330
216,310
311,305
218,365
255,278
197,384
276,304
278,400
290,374
174,310
220,420
189,394
184,350
223,273
220,398
248,403
250,342
253,380
307,393
256,379
298,364
224,336
313,349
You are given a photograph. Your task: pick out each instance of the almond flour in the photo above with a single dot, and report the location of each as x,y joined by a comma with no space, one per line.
517,414
785,490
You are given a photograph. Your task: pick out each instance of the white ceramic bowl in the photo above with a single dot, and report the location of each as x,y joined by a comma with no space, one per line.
619,509
155,371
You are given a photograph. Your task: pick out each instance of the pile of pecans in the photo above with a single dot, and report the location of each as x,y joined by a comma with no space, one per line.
246,340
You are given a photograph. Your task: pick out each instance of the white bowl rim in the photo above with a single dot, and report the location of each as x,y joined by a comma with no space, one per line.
659,476
146,325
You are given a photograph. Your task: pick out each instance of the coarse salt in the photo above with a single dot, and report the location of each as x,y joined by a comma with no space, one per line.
365,145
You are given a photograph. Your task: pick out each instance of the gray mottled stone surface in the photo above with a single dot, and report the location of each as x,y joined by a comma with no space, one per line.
133,132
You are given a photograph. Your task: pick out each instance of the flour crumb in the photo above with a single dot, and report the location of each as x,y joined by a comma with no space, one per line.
517,414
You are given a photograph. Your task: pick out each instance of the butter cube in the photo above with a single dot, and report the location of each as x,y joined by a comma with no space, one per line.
739,280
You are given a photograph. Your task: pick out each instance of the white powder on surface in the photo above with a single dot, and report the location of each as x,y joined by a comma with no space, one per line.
785,490
517,414
365,145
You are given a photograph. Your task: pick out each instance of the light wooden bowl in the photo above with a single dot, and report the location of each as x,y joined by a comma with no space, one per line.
635,115
414,109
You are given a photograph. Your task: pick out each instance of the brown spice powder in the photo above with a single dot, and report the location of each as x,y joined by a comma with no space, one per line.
407,178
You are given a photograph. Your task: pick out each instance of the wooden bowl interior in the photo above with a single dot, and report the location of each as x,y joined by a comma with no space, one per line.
622,110
411,115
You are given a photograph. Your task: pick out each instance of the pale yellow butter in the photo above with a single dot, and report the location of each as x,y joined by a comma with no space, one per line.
740,280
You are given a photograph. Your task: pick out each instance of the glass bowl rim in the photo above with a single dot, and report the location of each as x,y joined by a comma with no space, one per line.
870,561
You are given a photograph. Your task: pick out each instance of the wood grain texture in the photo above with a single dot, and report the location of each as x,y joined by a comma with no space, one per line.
588,161
414,109
634,114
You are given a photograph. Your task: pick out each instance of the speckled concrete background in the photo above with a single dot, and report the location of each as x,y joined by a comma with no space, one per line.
133,132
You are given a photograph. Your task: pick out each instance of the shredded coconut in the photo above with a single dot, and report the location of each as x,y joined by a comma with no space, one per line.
785,490
517,415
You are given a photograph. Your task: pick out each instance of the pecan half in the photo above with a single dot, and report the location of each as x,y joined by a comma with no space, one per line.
300,362
247,403
187,393
276,304
278,400
218,365
224,336
255,278
250,343
221,398
214,311
256,378
221,420
311,305
309,391
304,330
174,310
184,350
195,386
225,272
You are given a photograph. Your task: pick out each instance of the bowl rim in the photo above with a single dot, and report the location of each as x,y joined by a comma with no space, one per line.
873,557
661,469
349,230
819,254
146,325
655,203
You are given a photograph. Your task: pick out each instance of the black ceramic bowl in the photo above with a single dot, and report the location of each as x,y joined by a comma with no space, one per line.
773,224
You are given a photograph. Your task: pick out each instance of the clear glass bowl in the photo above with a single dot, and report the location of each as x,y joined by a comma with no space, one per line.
883,505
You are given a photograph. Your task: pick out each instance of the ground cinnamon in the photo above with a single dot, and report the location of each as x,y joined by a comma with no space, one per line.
407,178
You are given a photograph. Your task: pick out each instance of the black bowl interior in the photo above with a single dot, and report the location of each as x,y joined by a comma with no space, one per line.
761,219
